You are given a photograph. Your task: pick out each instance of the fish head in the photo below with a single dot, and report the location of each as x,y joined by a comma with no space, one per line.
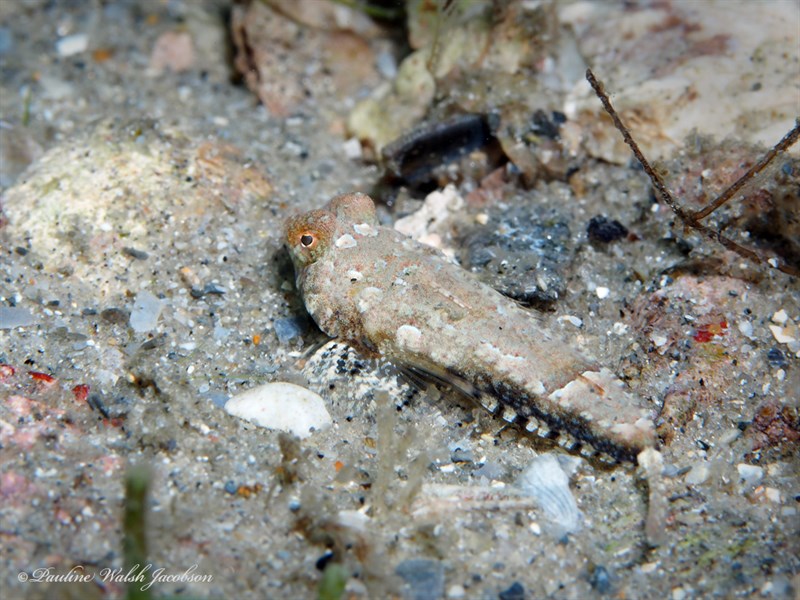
309,236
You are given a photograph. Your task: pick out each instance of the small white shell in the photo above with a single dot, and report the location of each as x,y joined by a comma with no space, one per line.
282,406
546,481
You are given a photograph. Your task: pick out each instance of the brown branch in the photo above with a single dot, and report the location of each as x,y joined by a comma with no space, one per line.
655,178
691,220
788,140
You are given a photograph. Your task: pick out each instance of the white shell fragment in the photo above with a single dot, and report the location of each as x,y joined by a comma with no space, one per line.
72,44
786,331
283,407
545,481
780,317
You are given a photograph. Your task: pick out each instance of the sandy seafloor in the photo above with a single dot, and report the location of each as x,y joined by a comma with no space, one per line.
144,183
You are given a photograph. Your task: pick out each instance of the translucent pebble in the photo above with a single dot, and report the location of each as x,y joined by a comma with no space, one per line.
14,316
72,44
6,40
221,333
750,474
746,327
145,313
698,474
289,328
780,317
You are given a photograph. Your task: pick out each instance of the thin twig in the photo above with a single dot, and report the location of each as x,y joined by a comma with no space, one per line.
788,140
691,220
655,178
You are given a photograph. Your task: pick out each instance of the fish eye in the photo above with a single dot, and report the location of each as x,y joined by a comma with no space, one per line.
307,240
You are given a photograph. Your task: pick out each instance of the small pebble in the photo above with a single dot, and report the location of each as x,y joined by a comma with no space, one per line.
114,315
6,40
515,592
776,358
699,474
780,317
12,317
573,320
658,339
455,592
145,313
490,470
462,456
544,126
220,333
174,51
72,44
670,470
386,64
282,406
231,487
289,328
750,474
352,149
95,402
678,593
214,288
602,292
218,399
323,560
134,253
619,328
353,519
600,580
784,335
602,230
649,567
730,436
424,578
772,494
746,327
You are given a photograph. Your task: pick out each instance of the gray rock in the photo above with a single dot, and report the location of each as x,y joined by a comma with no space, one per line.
15,316
289,328
521,252
424,579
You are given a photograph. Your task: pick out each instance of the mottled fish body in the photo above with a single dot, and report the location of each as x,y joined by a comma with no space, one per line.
391,296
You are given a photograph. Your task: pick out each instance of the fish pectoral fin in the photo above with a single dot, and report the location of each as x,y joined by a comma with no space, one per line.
316,347
421,376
